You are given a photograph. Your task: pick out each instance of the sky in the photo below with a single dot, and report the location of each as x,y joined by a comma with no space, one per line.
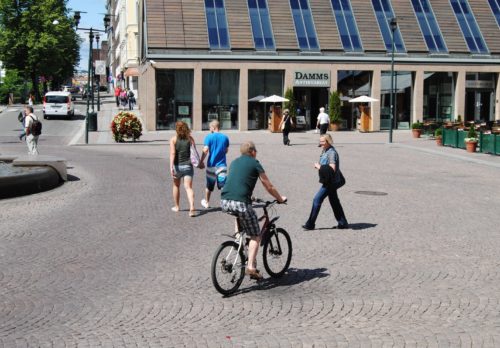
92,19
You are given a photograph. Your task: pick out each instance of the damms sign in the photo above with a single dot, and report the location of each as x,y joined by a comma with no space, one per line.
311,78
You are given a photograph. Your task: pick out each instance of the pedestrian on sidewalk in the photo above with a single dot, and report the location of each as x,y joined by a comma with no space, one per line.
123,99
117,95
131,99
215,148
31,137
21,118
286,125
329,172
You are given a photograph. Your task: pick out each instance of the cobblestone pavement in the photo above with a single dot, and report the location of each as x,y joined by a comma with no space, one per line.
101,261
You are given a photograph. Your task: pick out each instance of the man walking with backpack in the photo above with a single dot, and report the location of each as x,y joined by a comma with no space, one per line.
33,128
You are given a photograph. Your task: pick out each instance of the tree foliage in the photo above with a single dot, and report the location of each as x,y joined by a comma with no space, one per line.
334,107
33,45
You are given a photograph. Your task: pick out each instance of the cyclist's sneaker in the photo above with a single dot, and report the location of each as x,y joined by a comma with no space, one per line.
205,204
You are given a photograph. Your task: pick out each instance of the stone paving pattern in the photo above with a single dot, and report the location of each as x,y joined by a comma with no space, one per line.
101,261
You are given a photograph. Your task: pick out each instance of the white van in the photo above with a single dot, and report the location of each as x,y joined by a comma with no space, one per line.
58,104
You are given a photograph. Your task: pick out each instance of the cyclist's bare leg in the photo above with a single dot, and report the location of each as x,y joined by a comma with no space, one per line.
253,249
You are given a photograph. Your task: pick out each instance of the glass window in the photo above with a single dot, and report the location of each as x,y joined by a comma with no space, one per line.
304,25
469,27
262,83
261,24
429,27
218,36
174,97
220,90
384,13
346,23
438,96
495,8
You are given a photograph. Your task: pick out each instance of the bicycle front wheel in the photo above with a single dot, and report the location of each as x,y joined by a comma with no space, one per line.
277,253
228,268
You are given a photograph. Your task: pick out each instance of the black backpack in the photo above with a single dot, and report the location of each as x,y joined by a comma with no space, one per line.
36,127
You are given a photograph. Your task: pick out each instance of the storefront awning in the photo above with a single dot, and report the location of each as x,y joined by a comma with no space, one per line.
131,72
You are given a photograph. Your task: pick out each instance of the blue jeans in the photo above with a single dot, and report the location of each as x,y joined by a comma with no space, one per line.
334,202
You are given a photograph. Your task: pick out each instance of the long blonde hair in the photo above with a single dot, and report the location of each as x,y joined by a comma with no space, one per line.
328,138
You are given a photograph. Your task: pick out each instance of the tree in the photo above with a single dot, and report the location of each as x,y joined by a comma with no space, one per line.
33,45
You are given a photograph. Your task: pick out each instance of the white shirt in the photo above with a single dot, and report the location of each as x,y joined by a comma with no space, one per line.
29,120
323,118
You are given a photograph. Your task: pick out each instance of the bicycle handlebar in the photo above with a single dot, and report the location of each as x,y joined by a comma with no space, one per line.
268,203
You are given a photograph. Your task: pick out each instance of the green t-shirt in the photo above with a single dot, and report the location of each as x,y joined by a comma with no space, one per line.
241,179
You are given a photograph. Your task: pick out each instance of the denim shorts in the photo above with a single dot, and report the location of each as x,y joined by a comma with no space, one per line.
216,175
183,170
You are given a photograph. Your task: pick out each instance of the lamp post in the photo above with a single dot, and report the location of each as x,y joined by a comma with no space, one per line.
393,23
76,18
98,82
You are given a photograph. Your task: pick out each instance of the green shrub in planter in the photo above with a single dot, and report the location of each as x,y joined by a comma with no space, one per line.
417,125
438,132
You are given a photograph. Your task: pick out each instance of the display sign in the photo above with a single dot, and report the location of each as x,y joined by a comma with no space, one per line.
183,110
100,67
311,78
479,84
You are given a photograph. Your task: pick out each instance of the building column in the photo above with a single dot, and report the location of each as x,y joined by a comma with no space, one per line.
459,96
333,79
149,98
497,99
418,97
197,98
375,107
243,101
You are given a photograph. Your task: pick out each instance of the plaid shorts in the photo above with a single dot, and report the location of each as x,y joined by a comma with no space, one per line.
246,215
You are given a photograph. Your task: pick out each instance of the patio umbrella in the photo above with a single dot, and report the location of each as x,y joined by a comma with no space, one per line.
273,99
257,98
363,99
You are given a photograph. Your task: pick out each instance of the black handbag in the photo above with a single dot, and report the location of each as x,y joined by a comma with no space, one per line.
341,181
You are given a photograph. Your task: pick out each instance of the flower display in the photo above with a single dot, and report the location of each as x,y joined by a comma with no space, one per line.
126,125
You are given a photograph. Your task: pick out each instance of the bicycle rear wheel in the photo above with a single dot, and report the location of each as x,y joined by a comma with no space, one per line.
277,253
228,268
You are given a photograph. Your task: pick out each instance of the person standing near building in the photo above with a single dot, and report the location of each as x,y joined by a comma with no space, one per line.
329,158
323,121
131,99
22,118
215,148
117,95
286,125
236,199
31,139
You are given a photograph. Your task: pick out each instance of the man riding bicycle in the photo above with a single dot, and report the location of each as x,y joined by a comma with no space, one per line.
236,198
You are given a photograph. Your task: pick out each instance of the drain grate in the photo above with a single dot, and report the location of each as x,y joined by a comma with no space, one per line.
371,193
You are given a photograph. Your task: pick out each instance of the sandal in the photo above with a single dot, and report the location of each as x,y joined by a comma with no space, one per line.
192,213
254,274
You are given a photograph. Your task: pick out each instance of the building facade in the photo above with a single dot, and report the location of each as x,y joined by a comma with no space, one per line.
123,53
215,59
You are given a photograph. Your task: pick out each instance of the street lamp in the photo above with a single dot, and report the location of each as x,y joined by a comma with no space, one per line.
77,16
393,23
98,82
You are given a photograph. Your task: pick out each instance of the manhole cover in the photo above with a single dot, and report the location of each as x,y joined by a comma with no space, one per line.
371,193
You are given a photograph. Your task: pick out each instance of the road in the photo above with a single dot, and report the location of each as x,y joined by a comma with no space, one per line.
56,131
102,261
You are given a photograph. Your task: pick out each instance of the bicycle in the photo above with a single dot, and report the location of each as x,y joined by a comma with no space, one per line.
230,258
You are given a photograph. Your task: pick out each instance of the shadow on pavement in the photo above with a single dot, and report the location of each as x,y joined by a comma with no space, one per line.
73,178
293,276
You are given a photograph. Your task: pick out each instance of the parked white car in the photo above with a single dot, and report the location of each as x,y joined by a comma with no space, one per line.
58,104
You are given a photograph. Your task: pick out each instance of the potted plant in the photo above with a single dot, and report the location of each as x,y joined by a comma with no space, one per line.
126,125
334,111
438,134
471,139
416,129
